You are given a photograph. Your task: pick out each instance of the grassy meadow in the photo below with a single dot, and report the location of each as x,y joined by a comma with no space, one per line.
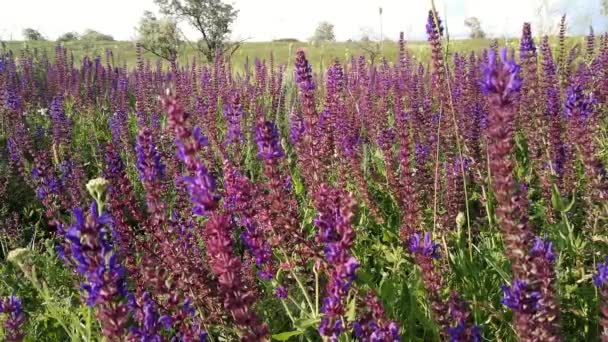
320,55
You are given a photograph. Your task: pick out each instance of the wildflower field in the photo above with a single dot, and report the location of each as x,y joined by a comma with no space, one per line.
320,55
448,196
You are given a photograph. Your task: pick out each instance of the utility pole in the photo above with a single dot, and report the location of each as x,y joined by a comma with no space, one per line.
380,14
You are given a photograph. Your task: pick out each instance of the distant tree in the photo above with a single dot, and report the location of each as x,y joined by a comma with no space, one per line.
31,34
68,37
94,36
212,18
159,36
369,41
475,26
286,40
372,49
324,32
367,34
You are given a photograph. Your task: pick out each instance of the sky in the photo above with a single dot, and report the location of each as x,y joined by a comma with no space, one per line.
263,20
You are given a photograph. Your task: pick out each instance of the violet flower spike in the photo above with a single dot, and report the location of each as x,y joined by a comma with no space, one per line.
90,240
501,80
150,322
425,247
601,277
335,231
578,104
281,292
268,140
520,298
149,163
543,248
14,318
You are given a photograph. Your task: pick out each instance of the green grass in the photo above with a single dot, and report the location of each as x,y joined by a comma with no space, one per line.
320,55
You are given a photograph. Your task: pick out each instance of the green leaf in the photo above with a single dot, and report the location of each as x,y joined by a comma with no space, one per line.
351,314
570,205
556,199
298,186
307,322
284,336
364,277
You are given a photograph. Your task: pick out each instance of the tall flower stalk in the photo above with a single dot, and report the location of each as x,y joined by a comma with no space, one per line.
226,266
501,83
335,232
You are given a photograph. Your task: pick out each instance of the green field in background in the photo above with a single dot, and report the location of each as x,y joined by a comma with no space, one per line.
320,55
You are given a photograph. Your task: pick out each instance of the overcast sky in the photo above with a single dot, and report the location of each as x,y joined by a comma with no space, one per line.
262,20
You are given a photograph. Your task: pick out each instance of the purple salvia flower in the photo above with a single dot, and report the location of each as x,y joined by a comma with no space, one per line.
304,73
542,271
351,145
14,152
261,251
268,140
202,189
12,101
543,248
309,149
14,318
424,252
119,128
455,169
335,231
425,246
90,241
462,328
460,333
121,203
238,299
279,207
502,80
149,162
431,25
60,124
296,126
526,43
557,148
421,154
155,121
47,185
386,139
280,292
373,324
549,78
579,105
201,185
600,279
234,114
434,30
520,298
501,83
150,322
582,126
